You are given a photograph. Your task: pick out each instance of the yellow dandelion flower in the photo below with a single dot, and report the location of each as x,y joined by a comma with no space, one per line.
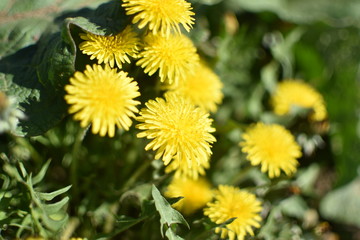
102,97
272,146
184,169
111,49
231,202
297,93
174,57
161,16
196,193
179,131
202,88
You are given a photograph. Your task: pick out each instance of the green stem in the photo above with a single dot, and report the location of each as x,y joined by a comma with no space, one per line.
241,175
143,167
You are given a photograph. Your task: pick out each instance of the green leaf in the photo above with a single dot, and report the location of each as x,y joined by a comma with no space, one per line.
52,195
171,235
342,205
338,12
12,172
168,215
294,206
20,34
55,61
54,225
43,108
37,74
55,207
41,174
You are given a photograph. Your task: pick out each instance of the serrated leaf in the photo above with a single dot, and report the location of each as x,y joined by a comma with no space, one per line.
55,61
42,108
13,172
55,207
54,225
171,235
168,215
52,195
40,176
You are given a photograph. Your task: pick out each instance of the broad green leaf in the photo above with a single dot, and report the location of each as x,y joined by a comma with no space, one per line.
342,205
338,12
307,178
55,61
294,206
20,34
42,108
168,215
37,74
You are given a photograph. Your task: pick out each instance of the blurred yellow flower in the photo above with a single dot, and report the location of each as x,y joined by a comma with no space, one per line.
202,88
291,93
179,131
102,97
271,146
175,57
184,169
231,202
196,193
161,16
111,49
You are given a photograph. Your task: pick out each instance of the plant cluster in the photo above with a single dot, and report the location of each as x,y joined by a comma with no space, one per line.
146,115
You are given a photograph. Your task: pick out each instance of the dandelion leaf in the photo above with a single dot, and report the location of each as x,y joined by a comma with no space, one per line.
297,11
38,55
168,215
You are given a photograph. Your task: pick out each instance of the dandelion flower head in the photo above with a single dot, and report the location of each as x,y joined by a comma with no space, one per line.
271,146
202,88
174,57
161,16
196,193
184,169
102,97
297,93
179,131
111,49
231,202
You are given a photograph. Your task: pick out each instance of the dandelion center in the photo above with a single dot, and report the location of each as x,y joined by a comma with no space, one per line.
231,202
111,49
175,57
180,132
161,16
273,147
103,97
